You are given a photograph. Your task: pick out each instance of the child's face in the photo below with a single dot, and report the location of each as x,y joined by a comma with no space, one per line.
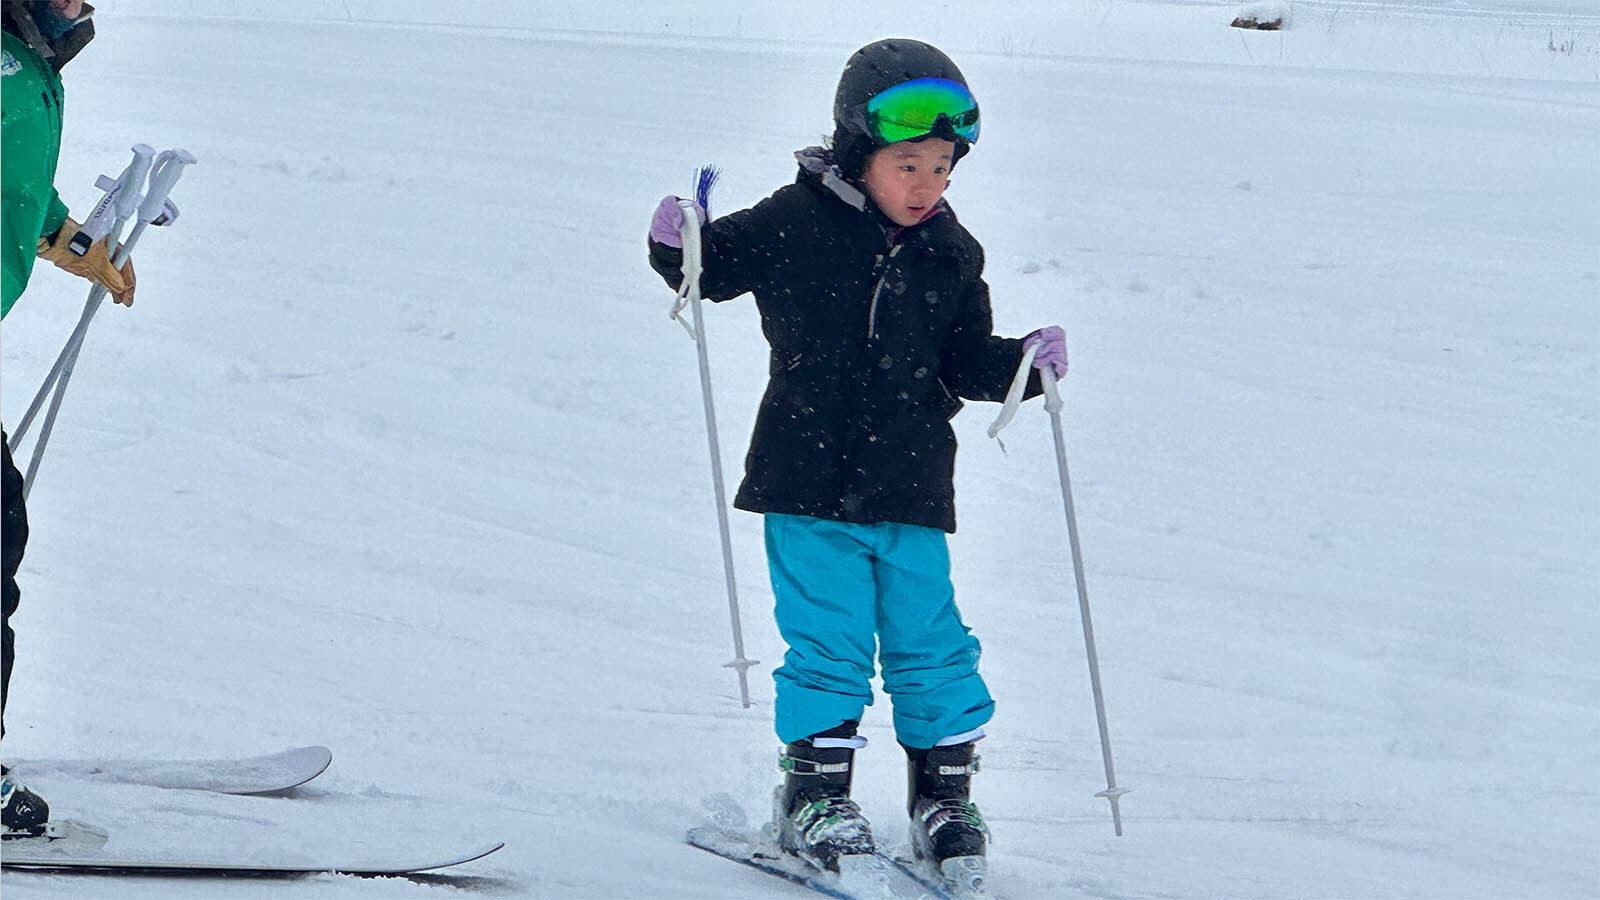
908,178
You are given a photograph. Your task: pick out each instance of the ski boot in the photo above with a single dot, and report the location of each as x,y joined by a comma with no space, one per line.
946,827
815,818
22,812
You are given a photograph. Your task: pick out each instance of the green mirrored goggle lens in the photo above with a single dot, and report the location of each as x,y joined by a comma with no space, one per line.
912,109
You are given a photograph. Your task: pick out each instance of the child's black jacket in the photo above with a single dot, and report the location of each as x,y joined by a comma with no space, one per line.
871,346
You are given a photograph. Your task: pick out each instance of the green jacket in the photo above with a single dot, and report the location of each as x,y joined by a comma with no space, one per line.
31,104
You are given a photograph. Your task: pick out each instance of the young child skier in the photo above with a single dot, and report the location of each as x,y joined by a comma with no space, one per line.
872,298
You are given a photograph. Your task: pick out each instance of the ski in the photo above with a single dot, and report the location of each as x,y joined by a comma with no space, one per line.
862,877
267,774
965,879
78,847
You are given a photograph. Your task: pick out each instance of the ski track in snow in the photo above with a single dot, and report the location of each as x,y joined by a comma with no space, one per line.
399,453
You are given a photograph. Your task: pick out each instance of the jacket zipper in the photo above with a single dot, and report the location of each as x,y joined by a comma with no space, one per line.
872,309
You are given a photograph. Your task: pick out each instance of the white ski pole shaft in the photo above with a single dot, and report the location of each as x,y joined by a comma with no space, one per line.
110,216
67,351
1112,793
62,373
690,230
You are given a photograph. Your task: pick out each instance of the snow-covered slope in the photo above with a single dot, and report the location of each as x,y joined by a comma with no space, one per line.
399,452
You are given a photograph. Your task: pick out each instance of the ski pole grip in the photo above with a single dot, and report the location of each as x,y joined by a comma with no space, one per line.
103,218
690,232
689,288
1052,395
168,169
132,179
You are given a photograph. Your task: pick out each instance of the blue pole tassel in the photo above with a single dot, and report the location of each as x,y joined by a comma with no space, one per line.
704,180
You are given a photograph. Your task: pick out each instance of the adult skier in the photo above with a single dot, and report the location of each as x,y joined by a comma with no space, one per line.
39,38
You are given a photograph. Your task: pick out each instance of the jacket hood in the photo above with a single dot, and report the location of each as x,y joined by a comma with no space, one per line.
818,163
19,21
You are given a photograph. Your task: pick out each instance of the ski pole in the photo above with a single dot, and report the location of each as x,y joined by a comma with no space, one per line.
1052,405
163,171
120,203
155,207
1112,793
689,294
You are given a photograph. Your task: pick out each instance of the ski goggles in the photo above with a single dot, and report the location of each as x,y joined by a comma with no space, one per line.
921,108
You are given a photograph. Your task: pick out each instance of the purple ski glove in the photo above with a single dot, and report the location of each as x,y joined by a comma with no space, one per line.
1052,344
665,225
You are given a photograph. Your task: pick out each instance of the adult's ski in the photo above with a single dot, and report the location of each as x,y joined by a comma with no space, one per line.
271,773
78,847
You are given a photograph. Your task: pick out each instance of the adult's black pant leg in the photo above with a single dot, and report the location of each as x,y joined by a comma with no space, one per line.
14,534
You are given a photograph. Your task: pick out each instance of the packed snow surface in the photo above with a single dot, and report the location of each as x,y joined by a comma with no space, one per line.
399,452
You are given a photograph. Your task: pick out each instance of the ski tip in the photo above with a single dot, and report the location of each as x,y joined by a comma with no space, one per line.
473,857
307,763
310,752
317,752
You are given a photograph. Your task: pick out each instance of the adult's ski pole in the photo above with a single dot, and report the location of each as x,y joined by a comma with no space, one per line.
110,215
163,170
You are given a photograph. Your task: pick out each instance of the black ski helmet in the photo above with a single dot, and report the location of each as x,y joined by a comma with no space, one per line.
869,72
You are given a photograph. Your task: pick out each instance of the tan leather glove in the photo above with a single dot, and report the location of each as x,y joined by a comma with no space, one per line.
94,264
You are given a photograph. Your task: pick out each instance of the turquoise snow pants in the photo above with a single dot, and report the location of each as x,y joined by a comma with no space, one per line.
844,591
